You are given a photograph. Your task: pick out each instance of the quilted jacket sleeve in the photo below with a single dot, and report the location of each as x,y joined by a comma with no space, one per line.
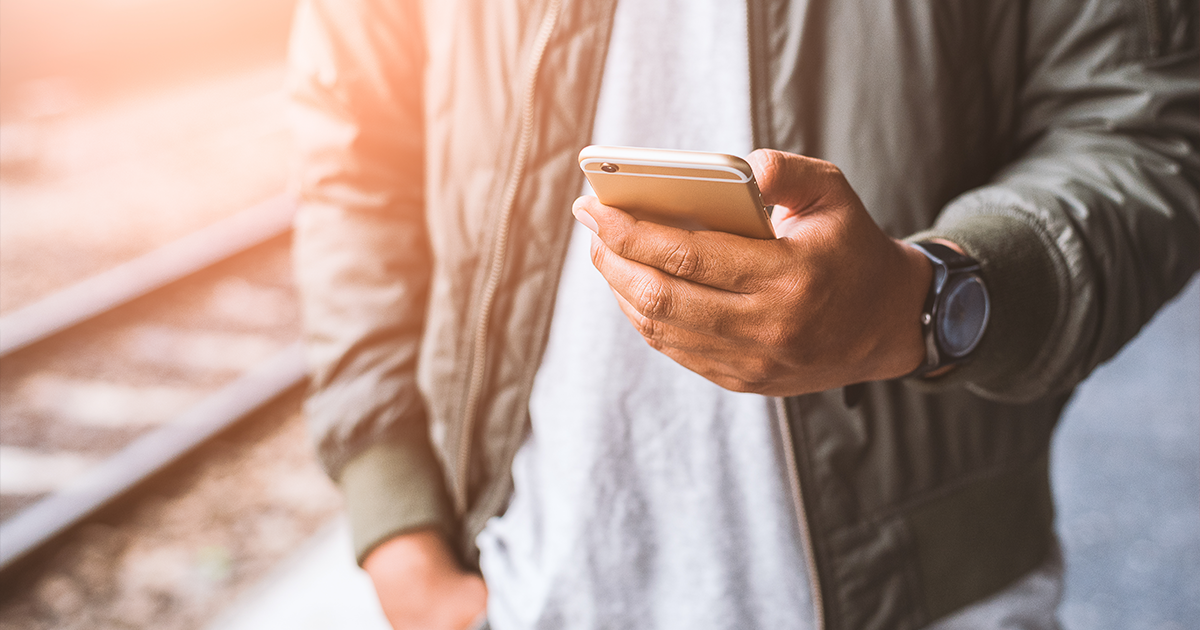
362,258
1097,224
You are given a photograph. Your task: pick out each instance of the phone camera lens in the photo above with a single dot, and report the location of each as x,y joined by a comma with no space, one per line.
609,168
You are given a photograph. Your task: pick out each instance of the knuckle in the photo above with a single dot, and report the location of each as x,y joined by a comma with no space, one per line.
757,370
835,178
775,334
726,326
652,299
619,241
749,279
682,261
649,329
788,341
771,166
771,160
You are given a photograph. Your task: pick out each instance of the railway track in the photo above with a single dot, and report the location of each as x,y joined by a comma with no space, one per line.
112,381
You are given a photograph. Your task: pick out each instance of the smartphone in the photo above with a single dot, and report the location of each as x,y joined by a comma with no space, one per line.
693,190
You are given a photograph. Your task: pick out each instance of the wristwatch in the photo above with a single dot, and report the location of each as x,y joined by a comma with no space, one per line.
956,311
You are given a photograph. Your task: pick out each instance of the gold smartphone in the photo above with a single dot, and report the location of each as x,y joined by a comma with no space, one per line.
693,190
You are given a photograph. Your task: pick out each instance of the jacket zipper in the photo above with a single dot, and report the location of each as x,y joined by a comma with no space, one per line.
793,471
496,263
785,429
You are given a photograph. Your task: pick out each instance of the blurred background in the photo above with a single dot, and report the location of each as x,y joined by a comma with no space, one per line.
126,126
128,123
154,470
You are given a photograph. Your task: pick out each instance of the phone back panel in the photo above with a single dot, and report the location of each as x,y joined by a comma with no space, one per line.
685,189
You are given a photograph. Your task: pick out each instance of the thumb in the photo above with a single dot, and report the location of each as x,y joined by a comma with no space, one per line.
793,181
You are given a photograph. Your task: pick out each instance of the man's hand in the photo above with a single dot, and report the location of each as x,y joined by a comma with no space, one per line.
832,301
421,586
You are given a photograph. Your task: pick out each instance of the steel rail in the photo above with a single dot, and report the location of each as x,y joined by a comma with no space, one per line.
136,278
42,522
148,455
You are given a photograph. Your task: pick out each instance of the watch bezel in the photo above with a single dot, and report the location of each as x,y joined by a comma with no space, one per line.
948,265
950,291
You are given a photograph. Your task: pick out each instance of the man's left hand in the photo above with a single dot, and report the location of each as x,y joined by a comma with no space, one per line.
832,301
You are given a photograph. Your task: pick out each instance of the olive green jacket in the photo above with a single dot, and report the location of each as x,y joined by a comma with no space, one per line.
1056,142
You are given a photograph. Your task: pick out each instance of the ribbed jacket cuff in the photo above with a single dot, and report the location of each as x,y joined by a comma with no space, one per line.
1021,281
393,488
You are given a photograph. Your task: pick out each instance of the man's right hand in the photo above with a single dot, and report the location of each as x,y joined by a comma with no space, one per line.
421,585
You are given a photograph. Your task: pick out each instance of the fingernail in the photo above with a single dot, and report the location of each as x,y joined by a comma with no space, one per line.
586,219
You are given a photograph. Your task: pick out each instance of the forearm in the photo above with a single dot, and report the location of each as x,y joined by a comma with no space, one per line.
1097,222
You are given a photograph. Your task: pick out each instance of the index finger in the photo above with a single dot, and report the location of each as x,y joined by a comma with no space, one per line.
716,259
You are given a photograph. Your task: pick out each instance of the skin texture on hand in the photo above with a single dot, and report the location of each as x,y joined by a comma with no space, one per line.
832,301
421,586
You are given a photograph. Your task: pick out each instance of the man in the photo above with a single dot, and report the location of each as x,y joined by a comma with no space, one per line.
483,401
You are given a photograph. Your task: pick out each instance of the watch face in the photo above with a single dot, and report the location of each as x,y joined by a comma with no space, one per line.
963,316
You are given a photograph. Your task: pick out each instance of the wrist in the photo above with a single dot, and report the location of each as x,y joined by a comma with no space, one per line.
420,554
904,340
421,586
899,346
